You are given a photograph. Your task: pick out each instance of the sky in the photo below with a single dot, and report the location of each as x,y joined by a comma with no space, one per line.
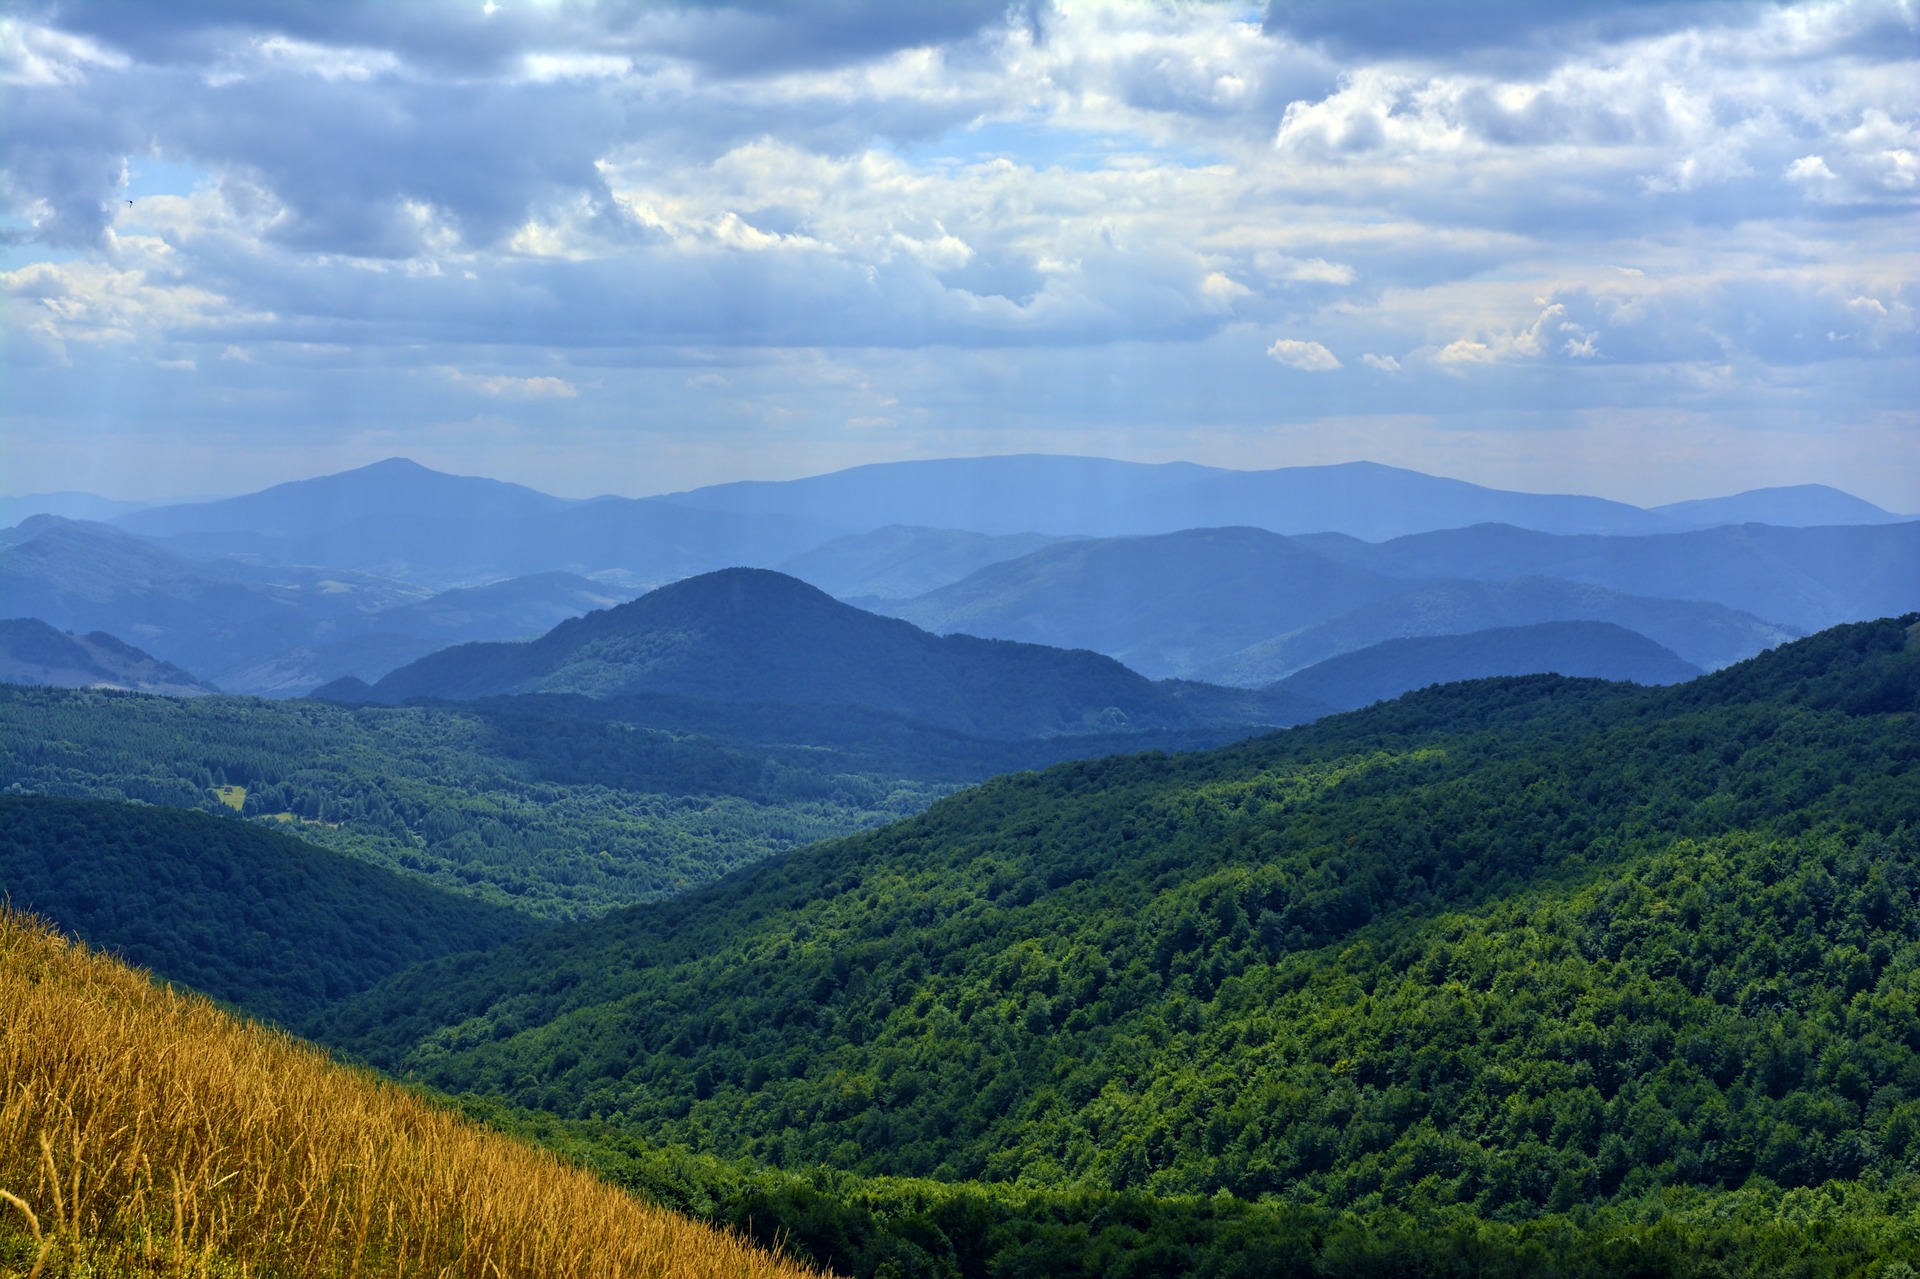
1650,251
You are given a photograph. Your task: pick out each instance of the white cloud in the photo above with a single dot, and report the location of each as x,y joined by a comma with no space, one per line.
40,56
523,388
1308,356
1384,363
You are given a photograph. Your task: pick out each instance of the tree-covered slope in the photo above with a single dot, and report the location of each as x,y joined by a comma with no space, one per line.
1589,650
755,635
243,913
539,809
1514,944
556,805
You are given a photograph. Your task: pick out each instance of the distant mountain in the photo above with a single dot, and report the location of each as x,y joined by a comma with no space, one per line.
1808,578
396,489
402,520
1595,650
31,652
1107,498
275,630
1795,506
209,616
1165,605
517,608
66,505
755,635
901,561
1708,636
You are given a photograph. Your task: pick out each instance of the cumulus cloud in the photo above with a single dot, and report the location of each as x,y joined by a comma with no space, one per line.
1308,356
434,186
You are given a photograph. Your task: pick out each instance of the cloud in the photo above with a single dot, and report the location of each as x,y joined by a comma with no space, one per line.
522,388
33,55
1310,357
1058,199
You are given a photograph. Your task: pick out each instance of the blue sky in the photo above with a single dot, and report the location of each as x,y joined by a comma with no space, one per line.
1651,251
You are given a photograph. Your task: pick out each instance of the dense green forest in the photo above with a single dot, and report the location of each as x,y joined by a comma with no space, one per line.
466,801
915,1228
1508,950
557,806
236,911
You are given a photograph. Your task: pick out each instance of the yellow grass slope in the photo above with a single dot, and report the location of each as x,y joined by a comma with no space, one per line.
147,1133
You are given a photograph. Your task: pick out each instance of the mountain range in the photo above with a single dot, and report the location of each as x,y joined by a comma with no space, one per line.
1195,572
1103,497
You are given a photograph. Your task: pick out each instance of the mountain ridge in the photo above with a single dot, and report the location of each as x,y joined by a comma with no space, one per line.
1578,650
753,634
32,652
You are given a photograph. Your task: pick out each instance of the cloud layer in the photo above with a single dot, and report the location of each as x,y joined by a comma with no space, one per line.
635,246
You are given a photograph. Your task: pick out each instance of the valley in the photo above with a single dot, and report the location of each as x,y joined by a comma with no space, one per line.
1093,894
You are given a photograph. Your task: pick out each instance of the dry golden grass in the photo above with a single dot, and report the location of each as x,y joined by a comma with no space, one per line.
147,1133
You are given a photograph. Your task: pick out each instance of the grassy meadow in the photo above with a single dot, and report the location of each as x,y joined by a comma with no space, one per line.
146,1132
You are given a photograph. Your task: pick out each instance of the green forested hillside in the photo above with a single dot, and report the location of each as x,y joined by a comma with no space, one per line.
558,806
238,912
1507,948
550,814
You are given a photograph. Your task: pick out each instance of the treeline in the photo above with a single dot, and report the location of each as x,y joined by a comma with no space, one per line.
897,1228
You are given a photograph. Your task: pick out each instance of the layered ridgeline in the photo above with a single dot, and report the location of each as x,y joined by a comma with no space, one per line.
1809,578
31,652
415,561
184,1142
1245,605
756,635
1492,951
245,914
1708,636
1590,650
256,628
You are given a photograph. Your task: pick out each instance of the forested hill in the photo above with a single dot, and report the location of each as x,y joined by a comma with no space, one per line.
235,911
1516,946
755,635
